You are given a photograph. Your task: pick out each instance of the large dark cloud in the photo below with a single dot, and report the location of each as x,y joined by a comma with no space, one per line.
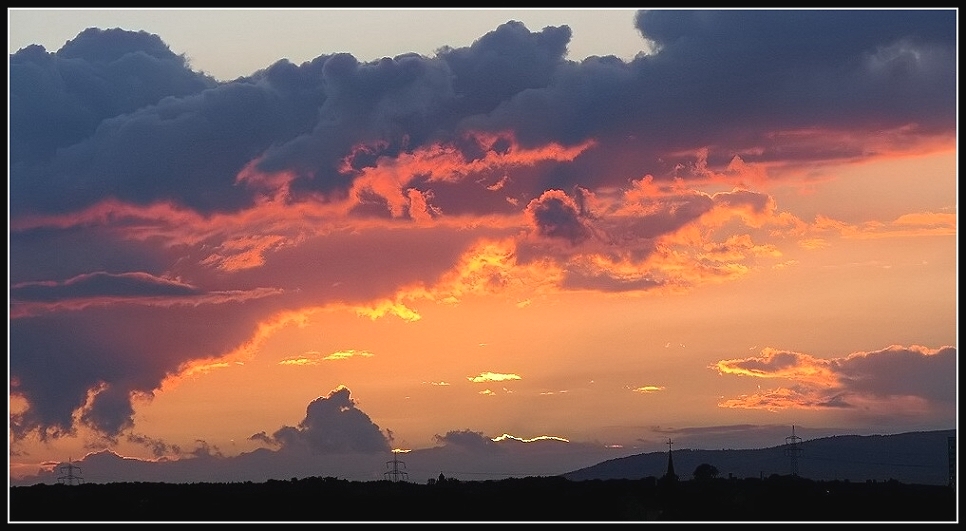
731,79
110,355
132,120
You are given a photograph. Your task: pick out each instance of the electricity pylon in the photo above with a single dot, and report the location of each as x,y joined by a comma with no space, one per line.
793,450
395,474
69,478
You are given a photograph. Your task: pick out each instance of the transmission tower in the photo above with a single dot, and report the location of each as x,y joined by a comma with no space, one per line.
395,474
69,478
793,450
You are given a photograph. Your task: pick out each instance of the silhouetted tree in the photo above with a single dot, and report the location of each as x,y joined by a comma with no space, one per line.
705,471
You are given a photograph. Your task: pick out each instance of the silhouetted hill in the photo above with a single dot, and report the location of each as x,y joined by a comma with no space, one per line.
915,457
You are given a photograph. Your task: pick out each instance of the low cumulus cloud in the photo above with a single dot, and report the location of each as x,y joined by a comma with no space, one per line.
333,424
467,439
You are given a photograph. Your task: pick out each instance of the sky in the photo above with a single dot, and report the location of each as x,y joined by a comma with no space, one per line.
263,244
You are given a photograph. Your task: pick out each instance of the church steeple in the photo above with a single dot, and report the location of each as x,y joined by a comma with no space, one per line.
670,475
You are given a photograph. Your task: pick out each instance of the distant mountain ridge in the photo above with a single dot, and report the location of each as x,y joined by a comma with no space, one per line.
913,457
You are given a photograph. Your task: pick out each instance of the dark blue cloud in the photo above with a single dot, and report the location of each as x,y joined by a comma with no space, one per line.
556,215
102,284
333,424
467,439
131,120
58,99
60,360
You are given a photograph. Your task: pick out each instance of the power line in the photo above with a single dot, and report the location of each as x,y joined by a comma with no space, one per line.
820,458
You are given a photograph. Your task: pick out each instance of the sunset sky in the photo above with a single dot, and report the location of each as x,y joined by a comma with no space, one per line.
250,244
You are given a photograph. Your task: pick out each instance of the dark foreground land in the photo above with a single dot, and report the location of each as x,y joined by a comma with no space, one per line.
777,498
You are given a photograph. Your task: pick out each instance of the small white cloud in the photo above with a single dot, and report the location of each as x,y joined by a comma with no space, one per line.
648,389
493,377
346,354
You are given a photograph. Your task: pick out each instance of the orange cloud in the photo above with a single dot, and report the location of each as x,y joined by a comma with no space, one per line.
907,225
737,172
779,399
489,267
780,364
391,177
388,307
243,252
917,377
247,350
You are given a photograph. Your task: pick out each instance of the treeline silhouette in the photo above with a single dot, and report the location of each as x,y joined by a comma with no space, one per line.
327,499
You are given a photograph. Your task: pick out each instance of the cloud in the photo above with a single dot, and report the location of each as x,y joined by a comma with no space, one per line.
103,285
307,119
472,440
507,436
346,354
58,99
333,424
96,362
862,48
101,288
648,389
895,379
556,215
335,439
492,377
